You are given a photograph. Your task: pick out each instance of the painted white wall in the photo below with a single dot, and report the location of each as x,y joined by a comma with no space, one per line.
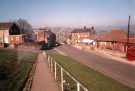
87,41
6,36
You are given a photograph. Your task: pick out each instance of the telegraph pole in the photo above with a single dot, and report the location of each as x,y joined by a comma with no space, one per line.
128,32
3,40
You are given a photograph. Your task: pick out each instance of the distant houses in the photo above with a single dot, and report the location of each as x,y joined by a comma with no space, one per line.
114,40
10,34
62,36
81,34
44,36
40,35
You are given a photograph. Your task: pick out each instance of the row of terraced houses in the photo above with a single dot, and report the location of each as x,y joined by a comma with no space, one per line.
11,36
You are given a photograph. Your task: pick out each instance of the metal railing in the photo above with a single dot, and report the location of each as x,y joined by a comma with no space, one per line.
53,65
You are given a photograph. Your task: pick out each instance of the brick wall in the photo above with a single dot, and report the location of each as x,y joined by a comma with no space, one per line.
16,39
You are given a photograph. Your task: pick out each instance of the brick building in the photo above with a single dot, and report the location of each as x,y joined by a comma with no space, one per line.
16,39
44,36
10,34
41,35
77,35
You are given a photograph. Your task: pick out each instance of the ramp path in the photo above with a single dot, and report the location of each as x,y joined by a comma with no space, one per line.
43,79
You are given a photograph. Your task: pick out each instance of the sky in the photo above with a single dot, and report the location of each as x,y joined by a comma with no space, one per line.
68,12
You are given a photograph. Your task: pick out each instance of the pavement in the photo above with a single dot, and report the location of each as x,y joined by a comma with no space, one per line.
117,69
122,59
43,79
115,55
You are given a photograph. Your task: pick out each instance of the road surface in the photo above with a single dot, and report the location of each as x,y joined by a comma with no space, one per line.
120,71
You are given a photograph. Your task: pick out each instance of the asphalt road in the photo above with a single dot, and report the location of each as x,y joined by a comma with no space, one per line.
120,71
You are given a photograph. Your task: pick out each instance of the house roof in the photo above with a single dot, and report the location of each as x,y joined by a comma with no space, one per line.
115,35
83,30
5,25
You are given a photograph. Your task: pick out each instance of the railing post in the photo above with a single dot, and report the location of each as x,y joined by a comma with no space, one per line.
51,65
86,89
78,86
44,53
55,70
61,79
49,61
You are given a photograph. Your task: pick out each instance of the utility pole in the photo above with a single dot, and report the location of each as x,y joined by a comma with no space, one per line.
128,32
3,39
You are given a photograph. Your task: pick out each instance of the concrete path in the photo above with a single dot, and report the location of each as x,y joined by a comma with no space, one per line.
43,80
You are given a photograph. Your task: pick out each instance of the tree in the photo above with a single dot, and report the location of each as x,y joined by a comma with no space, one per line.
26,29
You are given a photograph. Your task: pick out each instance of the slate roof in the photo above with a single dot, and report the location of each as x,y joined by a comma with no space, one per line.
116,35
83,30
5,25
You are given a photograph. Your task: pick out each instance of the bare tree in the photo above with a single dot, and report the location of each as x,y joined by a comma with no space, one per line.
26,29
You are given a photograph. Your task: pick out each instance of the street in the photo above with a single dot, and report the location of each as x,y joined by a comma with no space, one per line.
120,71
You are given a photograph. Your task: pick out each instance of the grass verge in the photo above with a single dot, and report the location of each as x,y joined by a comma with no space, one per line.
14,68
